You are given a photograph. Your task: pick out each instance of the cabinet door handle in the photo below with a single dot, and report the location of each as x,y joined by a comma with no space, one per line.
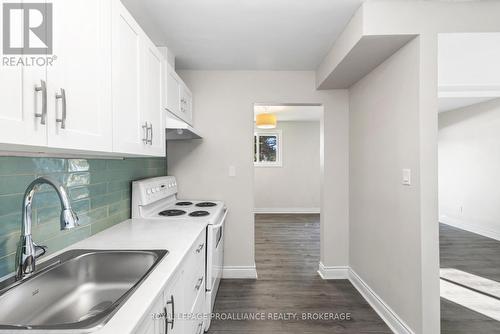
145,131
199,283
42,88
150,132
170,322
62,97
200,248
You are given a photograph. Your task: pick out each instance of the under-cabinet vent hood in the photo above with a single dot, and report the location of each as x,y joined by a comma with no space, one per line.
177,129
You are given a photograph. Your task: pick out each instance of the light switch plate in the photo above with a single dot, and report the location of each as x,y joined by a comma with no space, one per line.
407,177
232,171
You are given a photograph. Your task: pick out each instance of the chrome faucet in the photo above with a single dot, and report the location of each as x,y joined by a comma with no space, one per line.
27,250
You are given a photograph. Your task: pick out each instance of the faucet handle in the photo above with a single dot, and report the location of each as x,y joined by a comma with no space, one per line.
40,251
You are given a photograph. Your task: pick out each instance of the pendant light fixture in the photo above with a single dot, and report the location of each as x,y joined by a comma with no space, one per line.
266,121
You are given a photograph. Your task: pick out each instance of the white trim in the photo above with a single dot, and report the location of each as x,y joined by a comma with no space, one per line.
286,210
395,323
335,272
239,272
473,228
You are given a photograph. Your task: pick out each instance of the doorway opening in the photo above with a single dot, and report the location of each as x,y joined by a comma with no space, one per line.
287,170
469,190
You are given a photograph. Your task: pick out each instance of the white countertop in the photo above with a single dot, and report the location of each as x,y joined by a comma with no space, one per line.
146,234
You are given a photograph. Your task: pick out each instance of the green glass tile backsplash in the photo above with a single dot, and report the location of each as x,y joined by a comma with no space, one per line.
99,190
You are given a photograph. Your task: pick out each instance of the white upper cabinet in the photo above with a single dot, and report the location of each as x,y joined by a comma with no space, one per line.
178,96
103,90
129,130
173,92
152,97
23,97
186,105
137,88
79,81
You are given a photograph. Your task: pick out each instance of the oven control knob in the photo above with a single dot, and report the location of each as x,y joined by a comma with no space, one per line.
148,191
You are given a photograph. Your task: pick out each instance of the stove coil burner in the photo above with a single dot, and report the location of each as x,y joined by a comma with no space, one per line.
205,204
199,213
184,203
171,213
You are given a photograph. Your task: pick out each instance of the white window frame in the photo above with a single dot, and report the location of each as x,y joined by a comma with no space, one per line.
279,155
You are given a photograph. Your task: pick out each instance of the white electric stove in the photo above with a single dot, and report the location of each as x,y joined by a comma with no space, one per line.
156,198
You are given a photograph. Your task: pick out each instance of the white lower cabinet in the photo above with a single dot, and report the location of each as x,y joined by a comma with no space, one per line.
153,320
195,324
174,301
179,308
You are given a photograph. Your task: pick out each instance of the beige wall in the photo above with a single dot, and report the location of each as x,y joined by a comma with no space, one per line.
295,186
224,115
469,161
384,214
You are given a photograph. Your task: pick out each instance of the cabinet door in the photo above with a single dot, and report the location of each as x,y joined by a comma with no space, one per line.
187,105
153,321
129,130
152,90
21,100
22,97
174,306
173,92
80,79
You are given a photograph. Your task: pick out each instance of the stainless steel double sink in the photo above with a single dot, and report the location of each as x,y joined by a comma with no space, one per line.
79,289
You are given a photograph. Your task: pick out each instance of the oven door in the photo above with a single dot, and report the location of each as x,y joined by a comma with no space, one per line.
215,256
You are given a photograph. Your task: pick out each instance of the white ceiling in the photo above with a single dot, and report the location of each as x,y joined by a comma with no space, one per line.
292,113
244,34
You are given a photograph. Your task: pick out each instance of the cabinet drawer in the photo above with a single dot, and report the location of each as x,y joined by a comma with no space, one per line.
194,272
195,260
195,324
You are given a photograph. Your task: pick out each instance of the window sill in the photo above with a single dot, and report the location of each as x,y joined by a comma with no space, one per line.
273,165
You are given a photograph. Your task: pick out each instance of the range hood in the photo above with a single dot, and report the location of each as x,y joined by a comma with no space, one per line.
177,129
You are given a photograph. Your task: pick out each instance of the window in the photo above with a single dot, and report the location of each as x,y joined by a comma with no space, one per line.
267,148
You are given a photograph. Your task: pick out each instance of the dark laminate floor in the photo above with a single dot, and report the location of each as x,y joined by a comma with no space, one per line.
287,256
474,254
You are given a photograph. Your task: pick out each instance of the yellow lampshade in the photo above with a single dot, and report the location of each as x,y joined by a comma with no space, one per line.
266,121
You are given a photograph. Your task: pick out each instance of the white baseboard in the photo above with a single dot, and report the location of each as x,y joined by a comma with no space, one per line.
395,323
286,210
473,228
336,272
239,272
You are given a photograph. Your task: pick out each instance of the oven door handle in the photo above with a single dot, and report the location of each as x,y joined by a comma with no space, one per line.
221,221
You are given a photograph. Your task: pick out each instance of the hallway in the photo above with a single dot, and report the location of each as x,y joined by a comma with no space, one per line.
287,257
